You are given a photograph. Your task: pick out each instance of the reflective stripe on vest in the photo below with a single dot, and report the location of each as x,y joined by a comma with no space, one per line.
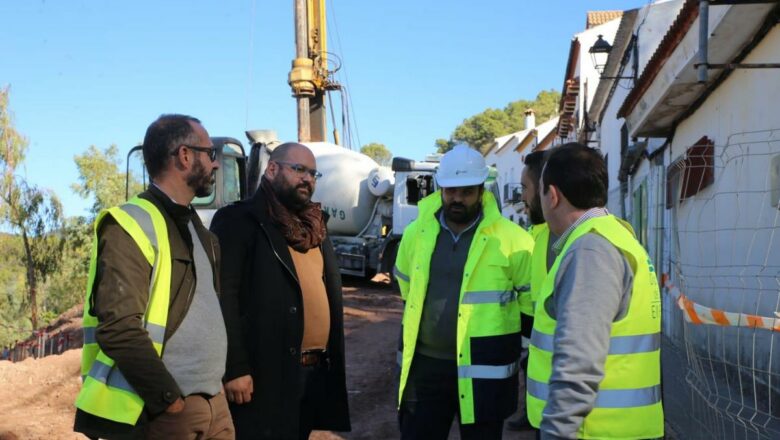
109,376
488,371
399,274
89,335
625,398
502,297
106,392
617,344
156,333
478,371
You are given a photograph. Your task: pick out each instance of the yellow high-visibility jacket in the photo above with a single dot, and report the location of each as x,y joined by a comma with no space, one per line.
488,329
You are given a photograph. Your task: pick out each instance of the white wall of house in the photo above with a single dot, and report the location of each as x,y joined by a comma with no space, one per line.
726,239
509,165
739,117
586,71
721,246
651,25
729,229
609,143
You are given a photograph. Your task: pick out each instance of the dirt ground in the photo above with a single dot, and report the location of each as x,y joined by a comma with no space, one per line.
36,396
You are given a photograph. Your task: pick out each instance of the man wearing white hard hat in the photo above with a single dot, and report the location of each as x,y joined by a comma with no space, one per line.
462,269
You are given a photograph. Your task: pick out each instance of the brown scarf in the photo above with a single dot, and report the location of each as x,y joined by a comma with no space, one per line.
303,230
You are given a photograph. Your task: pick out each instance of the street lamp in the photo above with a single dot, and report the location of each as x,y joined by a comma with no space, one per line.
599,54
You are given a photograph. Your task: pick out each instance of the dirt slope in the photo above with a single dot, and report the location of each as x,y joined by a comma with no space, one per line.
36,397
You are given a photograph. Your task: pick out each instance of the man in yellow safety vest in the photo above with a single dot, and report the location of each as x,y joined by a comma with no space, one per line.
154,337
594,367
540,262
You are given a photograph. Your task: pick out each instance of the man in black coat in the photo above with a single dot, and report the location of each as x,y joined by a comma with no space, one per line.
281,299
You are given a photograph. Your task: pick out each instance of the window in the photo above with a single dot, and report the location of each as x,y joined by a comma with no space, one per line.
691,173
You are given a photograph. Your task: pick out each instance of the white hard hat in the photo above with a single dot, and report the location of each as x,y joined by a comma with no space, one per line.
461,166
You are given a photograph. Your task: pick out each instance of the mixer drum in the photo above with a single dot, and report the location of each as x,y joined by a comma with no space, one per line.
343,188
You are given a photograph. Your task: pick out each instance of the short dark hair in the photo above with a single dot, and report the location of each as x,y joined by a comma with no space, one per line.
534,163
162,137
579,173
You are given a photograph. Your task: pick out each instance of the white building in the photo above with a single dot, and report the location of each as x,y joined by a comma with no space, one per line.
507,156
695,166
581,78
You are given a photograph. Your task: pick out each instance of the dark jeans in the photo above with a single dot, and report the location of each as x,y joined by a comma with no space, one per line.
431,401
312,382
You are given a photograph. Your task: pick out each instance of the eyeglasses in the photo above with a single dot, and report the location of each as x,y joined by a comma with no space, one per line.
301,170
212,152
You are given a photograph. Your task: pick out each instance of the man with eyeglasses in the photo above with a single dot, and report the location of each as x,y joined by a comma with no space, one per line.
154,338
282,306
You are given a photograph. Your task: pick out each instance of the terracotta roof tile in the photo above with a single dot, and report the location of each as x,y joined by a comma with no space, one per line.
596,18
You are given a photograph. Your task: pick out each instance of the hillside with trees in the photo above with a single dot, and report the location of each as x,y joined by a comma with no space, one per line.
480,130
378,152
44,256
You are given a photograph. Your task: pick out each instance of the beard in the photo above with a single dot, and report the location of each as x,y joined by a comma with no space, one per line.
459,214
535,211
291,196
201,182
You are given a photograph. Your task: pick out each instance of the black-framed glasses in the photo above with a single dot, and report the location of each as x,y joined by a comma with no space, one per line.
301,170
211,151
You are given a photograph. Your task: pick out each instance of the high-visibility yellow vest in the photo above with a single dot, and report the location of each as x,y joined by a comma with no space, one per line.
105,392
541,236
628,403
488,330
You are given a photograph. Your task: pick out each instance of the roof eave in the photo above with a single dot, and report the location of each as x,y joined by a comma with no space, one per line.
674,88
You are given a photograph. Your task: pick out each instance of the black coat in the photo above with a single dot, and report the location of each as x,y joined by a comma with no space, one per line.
263,309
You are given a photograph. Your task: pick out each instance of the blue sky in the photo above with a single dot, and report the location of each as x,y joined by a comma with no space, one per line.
90,72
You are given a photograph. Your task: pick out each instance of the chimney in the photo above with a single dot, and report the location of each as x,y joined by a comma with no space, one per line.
530,119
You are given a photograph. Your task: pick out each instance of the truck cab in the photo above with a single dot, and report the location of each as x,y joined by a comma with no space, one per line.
230,179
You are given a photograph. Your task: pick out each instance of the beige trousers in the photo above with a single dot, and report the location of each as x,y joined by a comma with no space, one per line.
201,419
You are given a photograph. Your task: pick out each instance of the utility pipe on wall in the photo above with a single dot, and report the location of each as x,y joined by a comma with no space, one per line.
704,22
